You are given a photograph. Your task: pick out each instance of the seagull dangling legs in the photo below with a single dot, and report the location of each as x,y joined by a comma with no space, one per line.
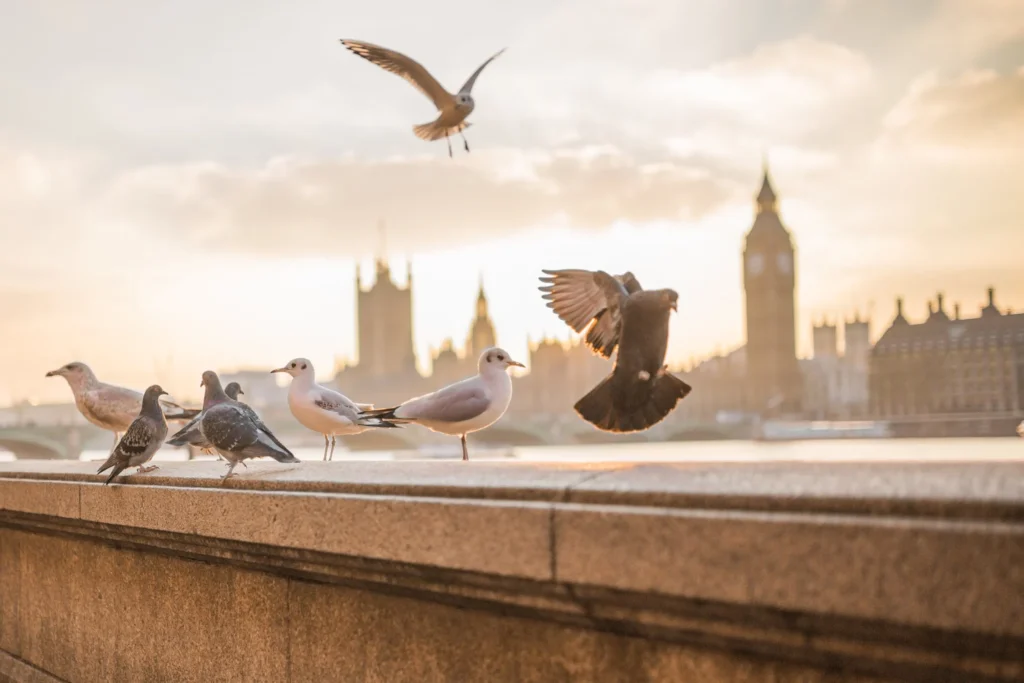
453,109
449,141
467,406
465,142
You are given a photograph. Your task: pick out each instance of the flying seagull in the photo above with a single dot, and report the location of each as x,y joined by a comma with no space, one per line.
617,311
454,109
467,406
108,406
324,410
143,439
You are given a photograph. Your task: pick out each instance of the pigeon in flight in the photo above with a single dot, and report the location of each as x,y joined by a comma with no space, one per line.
617,311
324,410
467,406
143,438
108,406
454,109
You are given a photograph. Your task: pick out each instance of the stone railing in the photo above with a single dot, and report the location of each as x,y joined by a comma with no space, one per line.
491,572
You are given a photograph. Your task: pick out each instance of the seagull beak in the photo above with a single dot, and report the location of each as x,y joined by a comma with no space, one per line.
279,370
516,363
52,373
675,306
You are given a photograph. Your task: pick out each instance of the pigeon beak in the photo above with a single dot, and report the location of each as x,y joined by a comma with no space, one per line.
516,363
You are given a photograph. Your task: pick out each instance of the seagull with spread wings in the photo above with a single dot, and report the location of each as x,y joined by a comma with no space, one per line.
615,311
454,109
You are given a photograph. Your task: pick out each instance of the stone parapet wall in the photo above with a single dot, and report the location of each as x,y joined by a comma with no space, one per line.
492,572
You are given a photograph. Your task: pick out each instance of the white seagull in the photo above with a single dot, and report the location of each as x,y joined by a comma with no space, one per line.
454,109
324,410
109,406
467,406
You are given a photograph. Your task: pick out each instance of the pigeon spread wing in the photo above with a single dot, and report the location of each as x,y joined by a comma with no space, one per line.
591,301
467,87
404,66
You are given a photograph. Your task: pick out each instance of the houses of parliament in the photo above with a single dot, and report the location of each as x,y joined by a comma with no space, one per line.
942,365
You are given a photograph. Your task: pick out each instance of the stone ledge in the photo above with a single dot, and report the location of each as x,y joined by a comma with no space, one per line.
764,563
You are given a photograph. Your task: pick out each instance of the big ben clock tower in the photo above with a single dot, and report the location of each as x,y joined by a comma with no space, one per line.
774,383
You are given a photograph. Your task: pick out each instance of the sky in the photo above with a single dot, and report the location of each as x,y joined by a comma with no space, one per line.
187,186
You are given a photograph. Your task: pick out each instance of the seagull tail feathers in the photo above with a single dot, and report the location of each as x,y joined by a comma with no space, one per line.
646,404
382,417
435,130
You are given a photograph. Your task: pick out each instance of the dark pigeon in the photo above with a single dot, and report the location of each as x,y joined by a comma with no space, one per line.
233,429
142,439
615,311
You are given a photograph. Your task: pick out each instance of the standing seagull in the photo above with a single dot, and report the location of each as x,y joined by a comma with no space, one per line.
617,311
467,406
324,410
143,439
108,406
454,108
230,428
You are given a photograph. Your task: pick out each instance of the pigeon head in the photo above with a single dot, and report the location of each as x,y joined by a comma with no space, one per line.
669,298
497,360
297,367
153,393
233,390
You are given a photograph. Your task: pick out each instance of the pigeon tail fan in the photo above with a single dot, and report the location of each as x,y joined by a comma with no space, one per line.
109,462
435,130
269,447
599,406
116,471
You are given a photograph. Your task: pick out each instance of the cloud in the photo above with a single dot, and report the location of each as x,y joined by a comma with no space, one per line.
293,206
980,112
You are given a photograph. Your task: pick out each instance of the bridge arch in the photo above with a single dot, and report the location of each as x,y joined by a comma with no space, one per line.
35,447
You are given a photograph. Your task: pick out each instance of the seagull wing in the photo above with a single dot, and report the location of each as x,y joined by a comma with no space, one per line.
112,405
406,67
467,87
339,404
458,402
591,301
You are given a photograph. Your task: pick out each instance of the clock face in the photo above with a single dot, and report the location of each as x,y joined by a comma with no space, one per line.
784,262
755,264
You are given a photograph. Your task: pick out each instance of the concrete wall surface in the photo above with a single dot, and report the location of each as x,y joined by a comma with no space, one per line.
511,571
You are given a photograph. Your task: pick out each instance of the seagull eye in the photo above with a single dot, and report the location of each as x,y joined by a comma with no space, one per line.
501,357
293,365
303,366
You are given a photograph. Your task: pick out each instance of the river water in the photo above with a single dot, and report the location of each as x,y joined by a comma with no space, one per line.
838,450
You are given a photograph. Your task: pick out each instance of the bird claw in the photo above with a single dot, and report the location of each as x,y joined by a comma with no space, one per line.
147,468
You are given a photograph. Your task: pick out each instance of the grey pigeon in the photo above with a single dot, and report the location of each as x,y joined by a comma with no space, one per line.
230,428
143,438
190,434
617,311
233,390
109,406
452,109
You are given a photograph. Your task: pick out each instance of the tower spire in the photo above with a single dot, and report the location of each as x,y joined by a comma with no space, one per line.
766,198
